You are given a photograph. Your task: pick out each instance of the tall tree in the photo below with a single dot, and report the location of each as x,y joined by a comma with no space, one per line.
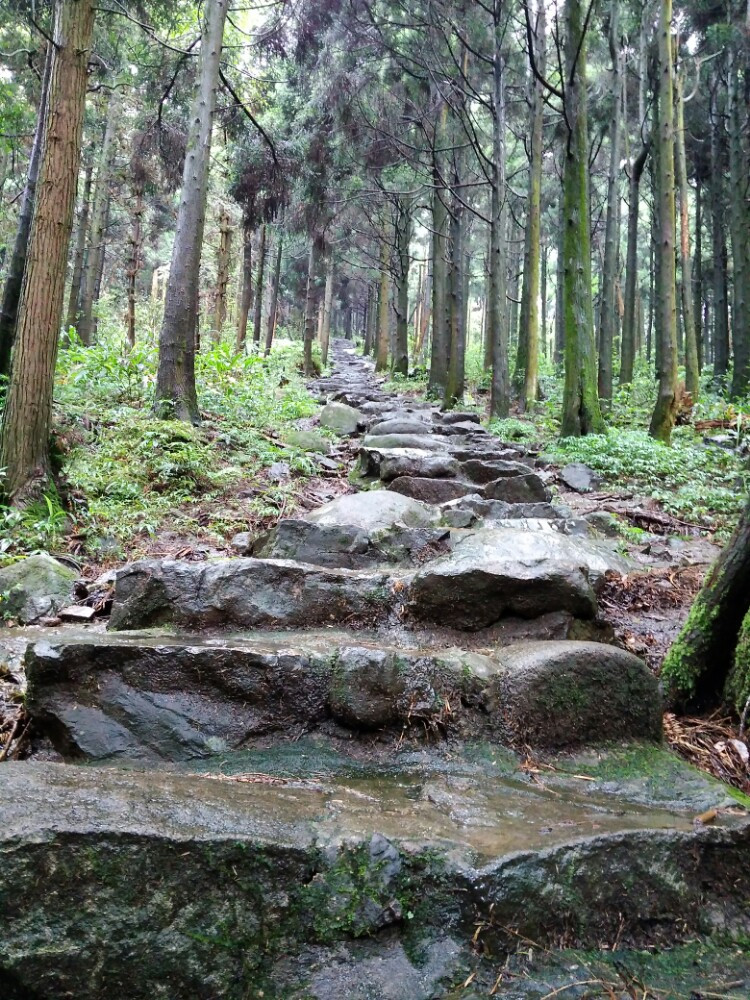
24,438
581,410
176,395
665,410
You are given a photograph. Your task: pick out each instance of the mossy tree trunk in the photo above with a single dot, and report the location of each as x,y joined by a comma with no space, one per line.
176,395
260,278
699,663
720,339
325,334
630,316
581,410
739,206
24,438
665,410
79,254
311,302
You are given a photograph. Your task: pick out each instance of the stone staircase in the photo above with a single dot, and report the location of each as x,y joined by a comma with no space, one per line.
365,761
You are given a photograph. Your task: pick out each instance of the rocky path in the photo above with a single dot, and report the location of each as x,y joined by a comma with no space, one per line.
363,761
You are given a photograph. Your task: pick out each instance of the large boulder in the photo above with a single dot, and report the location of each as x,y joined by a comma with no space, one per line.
482,472
373,510
527,488
432,491
561,694
493,573
310,441
245,593
140,884
35,587
341,419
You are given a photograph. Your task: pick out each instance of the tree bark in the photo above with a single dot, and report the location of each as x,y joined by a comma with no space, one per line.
176,394
74,295
311,303
403,243
381,347
692,383
440,345
134,264
246,298
698,273
325,336
222,273
14,279
581,411
534,218
665,411
699,662
97,234
24,439
739,208
607,310
719,241
259,284
497,315
273,311
629,320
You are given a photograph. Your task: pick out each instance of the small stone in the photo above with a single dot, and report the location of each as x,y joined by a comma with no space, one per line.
459,518
278,471
242,543
77,613
35,588
308,441
580,477
518,489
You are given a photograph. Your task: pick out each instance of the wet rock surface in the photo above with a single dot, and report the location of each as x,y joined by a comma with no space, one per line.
423,747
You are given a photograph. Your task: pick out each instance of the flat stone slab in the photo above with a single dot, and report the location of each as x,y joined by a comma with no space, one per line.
409,462
244,593
495,572
431,491
116,882
524,488
373,510
423,442
403,425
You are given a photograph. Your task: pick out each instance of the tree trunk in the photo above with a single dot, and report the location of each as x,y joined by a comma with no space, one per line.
440,344
531,271
739,209
246,298
325,337
699,662
629,325
454,388
607,310
222,273
273,311
134,264
665,410
497,315
97,235
24,440
175,384
698,273
14,279
79,255
311,303
381,347
581,412
692,383
718,232
403,242
259,284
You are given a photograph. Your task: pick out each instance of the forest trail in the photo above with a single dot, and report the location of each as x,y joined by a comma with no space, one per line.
366,758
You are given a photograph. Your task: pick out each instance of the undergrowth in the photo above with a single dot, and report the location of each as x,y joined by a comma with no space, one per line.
129,477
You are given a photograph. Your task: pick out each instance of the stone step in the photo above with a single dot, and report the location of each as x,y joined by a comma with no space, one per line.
121,882
104,696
